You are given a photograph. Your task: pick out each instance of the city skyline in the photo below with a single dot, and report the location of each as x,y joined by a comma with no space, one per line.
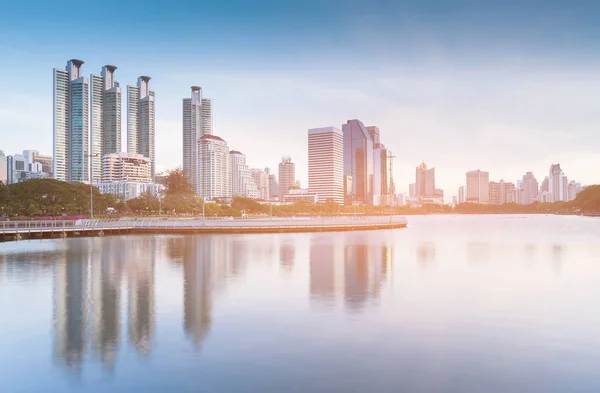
435,92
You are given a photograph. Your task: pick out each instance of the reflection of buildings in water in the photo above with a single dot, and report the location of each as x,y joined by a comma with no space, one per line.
557,255
206,265
70,303
354,272
197,303
175,249
106,298
366,268
140,297
478,252
287,254
326,267
530,250
426,254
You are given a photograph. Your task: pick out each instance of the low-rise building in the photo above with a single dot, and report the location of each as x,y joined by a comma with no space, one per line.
129,190
126,167
300,195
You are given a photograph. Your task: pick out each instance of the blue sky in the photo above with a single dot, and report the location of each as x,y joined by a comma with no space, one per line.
503,86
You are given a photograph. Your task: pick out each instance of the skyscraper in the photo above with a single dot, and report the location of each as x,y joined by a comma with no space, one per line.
383,183
478,189
197,121
140,121
71,124
574,189
383,179
358,162
528,189
261,179
207,117
326,164
461,194
192,131
242,183
213,167
105,119
287,176
556,184
273,184
424,181
497,193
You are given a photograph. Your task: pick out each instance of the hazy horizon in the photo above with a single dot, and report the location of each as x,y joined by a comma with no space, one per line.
506,88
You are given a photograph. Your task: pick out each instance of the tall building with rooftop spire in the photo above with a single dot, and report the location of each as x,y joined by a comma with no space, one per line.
140,121
105,118
197,122
70,142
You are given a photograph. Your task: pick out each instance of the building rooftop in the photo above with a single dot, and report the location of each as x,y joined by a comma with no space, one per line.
235,152
76,62
212,137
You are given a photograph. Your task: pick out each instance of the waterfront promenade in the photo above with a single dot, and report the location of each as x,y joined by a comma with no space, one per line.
20,230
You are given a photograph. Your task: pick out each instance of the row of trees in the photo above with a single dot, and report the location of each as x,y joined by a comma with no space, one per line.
47,197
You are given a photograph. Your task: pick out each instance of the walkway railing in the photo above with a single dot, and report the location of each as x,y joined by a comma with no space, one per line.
15,227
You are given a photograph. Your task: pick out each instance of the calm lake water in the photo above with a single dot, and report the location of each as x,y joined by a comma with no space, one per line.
449,304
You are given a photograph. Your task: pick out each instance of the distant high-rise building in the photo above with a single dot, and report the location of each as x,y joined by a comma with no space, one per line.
574,189
478,189
528,189
192,131
16,168
3,168
498,192
261,180
207,117
383,179
383,184
461,194
425,181
412,190
273,184
510,193
197,121
71,124
141,121
358,162
374,135
213,168
326,164
545,186
287,176
556,183
105,118
44,161
242,183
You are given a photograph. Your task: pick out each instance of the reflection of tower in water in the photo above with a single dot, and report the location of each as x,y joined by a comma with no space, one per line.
287,254
140,297
70,303
426,254
207,261
355,272
106,299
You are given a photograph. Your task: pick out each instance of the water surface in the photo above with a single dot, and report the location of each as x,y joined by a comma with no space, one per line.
449,304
